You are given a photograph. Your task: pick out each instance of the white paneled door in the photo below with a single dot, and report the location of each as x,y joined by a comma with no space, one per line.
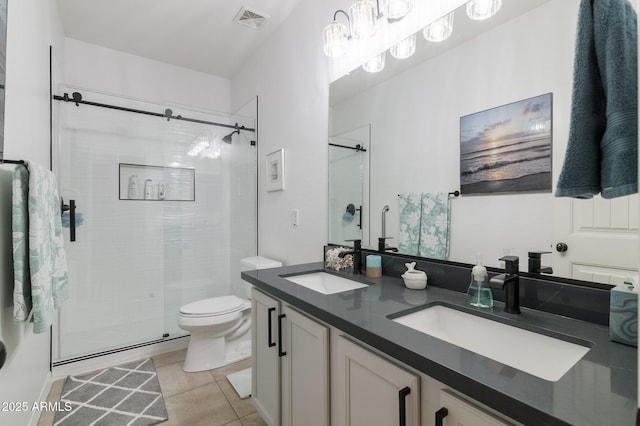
600,238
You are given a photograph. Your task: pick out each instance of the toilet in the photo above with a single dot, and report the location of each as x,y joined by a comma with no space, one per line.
220,327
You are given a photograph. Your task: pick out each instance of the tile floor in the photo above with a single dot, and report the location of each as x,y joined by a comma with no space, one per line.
205,398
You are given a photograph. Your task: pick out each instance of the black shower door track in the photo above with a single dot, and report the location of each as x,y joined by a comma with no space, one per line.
76,98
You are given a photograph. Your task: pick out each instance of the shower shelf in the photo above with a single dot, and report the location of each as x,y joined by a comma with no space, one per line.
179,183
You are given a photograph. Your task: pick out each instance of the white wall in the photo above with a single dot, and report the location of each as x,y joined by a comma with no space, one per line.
33,25
106,70
290,75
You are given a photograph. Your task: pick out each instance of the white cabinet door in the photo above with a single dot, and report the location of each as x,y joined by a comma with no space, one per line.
290,374
265,372
305,371
459,412
368,390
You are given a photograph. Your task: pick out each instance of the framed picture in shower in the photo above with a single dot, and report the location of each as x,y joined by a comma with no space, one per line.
275,171
507,149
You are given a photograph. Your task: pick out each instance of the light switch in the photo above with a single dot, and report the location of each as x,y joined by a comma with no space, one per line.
295,218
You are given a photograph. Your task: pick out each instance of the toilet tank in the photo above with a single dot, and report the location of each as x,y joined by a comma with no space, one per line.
253,263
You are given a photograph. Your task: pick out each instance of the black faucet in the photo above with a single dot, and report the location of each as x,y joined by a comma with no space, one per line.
357,256
510,283
382,245
535,263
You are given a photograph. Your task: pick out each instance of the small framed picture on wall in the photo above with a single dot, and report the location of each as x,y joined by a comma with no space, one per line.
275,171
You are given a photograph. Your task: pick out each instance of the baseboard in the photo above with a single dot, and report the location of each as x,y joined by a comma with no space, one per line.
106,361
44,393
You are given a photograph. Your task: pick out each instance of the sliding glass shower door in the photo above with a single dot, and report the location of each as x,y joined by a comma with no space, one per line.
157,209
349,186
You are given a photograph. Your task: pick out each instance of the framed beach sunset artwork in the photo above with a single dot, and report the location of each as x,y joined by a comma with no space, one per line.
508,148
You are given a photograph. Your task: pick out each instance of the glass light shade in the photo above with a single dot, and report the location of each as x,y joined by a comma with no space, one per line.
376,64
397,9
363,19
440,29
405,48
335,39
483,9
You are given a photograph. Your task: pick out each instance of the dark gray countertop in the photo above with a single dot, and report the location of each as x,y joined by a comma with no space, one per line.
601,389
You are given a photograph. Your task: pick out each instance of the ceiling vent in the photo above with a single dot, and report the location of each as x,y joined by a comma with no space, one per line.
250,17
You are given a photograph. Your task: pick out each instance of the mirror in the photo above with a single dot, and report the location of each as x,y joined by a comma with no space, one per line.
3,73
413,109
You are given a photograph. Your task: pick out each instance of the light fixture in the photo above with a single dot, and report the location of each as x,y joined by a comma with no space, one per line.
397,9
483,9
335,37
405,48
376,64
363,19
440,29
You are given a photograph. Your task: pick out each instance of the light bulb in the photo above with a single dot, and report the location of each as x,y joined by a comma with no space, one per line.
440,29
376,64
483,9
363,19
397,9
405,48
335,39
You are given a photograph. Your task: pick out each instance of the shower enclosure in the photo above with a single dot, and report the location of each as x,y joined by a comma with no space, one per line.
349,186
164,211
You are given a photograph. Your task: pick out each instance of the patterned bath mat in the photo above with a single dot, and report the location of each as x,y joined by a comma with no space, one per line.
125,395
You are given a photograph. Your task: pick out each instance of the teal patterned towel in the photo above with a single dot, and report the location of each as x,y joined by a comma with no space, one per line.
434,228
410,207
40,264
424,225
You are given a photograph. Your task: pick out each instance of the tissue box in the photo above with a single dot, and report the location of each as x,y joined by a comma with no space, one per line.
623,315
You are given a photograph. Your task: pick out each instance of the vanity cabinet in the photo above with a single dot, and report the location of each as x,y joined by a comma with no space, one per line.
290,374
369,390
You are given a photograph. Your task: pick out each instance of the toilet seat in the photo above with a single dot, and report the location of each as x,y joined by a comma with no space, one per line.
215,306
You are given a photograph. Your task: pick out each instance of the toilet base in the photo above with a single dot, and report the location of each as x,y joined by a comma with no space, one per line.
206,354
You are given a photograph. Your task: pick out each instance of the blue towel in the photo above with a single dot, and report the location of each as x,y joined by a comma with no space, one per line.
39,260
602,152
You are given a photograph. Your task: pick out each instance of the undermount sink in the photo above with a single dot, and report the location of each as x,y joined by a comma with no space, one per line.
543,356
324,283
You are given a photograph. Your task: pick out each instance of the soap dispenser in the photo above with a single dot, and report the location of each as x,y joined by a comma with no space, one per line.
479,293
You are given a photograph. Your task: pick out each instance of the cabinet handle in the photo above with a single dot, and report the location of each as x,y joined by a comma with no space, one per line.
440,415
280,351
271,342
402,402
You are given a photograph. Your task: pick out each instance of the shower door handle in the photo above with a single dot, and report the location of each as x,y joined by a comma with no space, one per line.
71,208
269,312
72,220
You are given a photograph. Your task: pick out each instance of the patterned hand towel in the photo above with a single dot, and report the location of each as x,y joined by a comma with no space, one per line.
40,265
434,227
602,151
410,208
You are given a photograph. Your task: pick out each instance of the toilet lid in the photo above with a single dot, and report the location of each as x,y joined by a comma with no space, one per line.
213,306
